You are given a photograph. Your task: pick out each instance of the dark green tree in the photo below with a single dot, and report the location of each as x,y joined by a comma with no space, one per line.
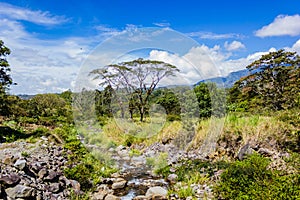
5,79
273,82
134,79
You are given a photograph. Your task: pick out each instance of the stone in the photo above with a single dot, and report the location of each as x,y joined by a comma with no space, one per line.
141,197
119,185
19,191
52,176
172,178
42,173
54,187
10,179
112,197
8,160
265,152
100,195
157,190
244,151
75,186
20,164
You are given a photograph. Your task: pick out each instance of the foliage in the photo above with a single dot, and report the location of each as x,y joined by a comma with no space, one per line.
251,179
49,109
5,78
273,83
134,81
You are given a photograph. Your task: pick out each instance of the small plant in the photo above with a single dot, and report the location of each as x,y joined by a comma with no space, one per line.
25,154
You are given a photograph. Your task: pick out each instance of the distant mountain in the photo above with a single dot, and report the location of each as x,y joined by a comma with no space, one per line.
26,96
227,81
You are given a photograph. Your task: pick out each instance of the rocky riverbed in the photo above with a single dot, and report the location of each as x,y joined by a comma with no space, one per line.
36,170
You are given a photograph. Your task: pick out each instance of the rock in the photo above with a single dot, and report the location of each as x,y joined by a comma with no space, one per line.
100,195
54,187
265,152
141,197
42,173
157,190
119,185
20,164
75,186
244,151
172,178
19,191
111,197
8,160
10,179
52,177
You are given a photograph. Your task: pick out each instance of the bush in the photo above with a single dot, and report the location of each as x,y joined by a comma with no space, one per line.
251,179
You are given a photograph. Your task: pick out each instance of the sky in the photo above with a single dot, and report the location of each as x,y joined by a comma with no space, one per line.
51,41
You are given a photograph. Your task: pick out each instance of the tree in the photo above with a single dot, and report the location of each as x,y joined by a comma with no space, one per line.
136,79
5,78
273,82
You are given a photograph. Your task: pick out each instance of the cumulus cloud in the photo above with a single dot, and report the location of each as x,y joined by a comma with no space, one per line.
37,17
203,62
214,36
295,47
234,45
282,25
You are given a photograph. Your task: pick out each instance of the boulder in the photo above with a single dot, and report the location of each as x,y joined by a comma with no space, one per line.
100,195
156,191
119,184
19,191
10,179
172,178
111,197
52,176
20,164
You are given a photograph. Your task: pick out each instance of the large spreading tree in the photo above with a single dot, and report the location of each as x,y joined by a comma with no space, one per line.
273,82
137,79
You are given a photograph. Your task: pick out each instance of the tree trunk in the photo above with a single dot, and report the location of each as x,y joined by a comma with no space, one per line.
141,113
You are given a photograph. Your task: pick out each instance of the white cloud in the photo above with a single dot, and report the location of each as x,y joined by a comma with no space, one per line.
295,47
214,36
162,24
37,17
203,62
282,25
234,45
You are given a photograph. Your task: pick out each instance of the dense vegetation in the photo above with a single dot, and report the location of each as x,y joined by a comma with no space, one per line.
261,107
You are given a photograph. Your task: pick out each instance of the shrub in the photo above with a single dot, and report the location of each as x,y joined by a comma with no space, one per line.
251,179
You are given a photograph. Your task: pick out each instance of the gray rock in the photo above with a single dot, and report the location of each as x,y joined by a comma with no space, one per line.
111,197
75,186
20,164
141,197
172,178
52,176
10,179
100,195
265,152
155,191
244,151
54,187
19,191
121,183
42,173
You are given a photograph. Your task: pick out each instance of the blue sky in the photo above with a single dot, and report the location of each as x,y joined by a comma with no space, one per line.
51,39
